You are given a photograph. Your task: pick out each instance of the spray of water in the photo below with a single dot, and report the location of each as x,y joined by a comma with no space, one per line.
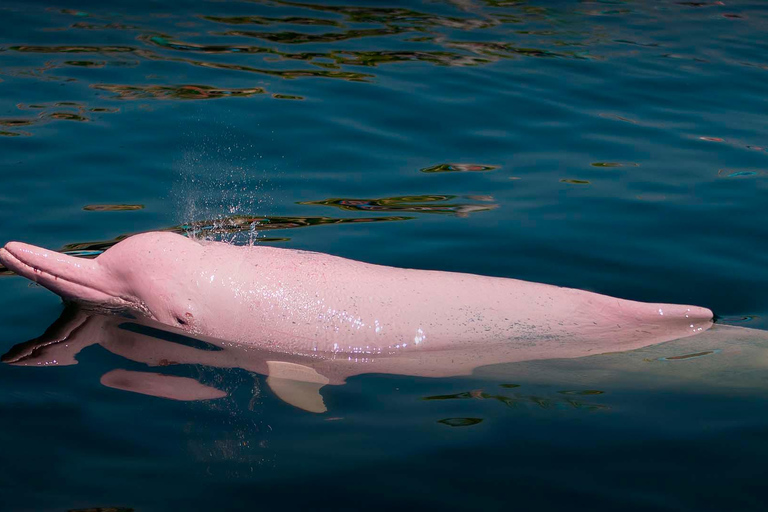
221,179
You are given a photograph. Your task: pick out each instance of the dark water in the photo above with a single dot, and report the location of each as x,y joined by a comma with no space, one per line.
614,146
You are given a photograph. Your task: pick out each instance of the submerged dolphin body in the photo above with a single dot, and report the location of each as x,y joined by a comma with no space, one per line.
316,305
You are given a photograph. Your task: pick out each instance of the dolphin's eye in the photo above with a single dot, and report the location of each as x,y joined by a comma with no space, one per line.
181,321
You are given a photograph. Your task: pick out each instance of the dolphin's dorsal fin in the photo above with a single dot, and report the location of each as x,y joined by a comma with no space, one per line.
297,385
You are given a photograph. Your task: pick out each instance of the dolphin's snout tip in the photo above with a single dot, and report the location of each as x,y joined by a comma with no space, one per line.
9,246
6,257
12,250
71,278
13,256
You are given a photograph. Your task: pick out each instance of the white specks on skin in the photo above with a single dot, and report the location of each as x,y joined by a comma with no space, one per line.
661,312
420,336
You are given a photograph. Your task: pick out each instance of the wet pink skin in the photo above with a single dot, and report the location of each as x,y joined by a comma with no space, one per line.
300,302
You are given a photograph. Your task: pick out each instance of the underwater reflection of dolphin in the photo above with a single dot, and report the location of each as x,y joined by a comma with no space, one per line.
297,379
310,303
292,378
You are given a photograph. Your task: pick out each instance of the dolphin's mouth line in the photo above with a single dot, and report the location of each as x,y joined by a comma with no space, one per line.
36,271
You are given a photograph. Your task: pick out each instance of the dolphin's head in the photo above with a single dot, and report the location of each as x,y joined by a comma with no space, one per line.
150,273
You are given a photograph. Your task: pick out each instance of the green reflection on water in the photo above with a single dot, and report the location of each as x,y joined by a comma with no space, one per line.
179,92
518,399
112,207
419,204
471,35
265,20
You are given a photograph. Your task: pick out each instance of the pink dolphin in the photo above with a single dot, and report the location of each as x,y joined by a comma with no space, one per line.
317,305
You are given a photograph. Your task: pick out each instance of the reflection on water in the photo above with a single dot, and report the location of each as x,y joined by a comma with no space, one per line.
112,207
55,111
294,378
459,168
418,204
321,40
684,357
520,399
244,229
177,92
460,422
613,164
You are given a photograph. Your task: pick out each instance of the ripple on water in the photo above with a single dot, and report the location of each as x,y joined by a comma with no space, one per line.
614,164
112,207
460,422
415,204
176,92
730,173
459,168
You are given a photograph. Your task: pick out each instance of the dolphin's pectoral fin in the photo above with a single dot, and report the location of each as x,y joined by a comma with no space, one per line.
297,385
159,385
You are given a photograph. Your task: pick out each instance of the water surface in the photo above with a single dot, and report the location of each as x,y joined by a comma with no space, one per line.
614,146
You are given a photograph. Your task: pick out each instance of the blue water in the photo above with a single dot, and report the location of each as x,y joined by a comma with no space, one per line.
614,146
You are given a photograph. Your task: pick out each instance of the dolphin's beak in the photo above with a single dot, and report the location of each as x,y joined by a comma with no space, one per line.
72,278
